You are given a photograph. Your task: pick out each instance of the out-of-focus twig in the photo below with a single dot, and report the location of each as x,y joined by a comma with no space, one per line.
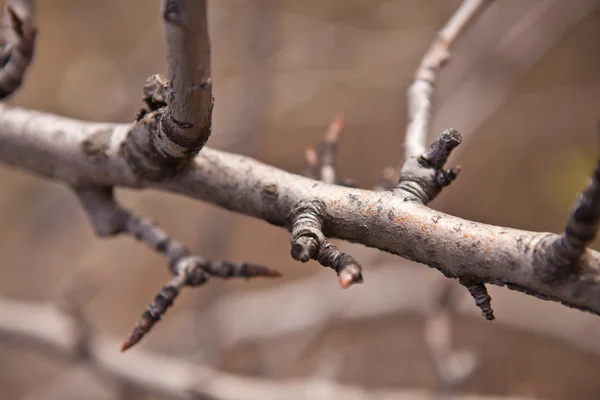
45,326
452,366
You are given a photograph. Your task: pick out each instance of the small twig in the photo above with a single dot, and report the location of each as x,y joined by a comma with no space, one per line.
321,163
421,92
479,293
422,173
424,177
18,37
308,242
580,231
108,219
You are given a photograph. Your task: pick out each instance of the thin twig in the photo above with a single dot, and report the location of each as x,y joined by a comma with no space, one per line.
321,164
420,94
581,230
108,219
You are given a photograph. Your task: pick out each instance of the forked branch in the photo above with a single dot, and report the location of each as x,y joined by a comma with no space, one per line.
108,219
94,158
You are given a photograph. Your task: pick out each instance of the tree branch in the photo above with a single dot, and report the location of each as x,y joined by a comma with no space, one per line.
423,175
58,333
167,138
421,92
59,148
108,219
160,150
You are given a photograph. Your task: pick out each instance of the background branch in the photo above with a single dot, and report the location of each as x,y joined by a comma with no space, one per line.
54,331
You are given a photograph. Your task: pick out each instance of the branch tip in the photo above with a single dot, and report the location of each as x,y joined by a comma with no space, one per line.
440,149
350,275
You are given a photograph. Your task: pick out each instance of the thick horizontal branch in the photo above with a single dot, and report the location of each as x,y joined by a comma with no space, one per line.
80,152
55,331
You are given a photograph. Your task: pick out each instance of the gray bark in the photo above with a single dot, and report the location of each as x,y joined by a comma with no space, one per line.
81,153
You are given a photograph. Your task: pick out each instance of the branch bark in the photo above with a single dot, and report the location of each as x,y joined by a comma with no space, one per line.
421,92
171,133
81,152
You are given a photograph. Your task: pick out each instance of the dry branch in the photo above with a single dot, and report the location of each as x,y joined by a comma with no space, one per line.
109,219
421,92
55,147
152,153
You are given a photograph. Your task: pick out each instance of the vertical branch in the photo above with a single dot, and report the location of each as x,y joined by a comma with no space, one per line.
175,127
421,92
187,119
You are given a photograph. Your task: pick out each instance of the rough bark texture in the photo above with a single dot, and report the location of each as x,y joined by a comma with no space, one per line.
59,148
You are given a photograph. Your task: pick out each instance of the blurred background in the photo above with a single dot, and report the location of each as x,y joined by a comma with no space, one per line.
523,88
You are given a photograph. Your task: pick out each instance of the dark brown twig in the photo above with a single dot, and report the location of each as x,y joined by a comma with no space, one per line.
108,219
308,242
581,230
479,293
424,177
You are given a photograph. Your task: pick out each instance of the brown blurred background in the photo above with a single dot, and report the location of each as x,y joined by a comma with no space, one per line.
523,87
